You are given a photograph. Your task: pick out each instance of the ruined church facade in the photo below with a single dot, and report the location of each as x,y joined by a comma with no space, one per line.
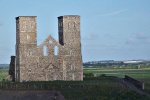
51,60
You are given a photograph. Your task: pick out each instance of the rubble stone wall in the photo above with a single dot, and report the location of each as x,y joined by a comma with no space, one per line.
12,68
51,60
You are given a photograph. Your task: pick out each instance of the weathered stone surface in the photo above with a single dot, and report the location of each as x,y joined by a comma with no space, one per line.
41,63
12,69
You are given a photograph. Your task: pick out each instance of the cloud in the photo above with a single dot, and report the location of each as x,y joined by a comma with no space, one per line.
148,41
112,13
1,23
130,41
108,35
105,45
90,45
92,36
142,36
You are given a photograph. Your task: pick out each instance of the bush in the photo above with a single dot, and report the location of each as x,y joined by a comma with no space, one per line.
103,75
88,74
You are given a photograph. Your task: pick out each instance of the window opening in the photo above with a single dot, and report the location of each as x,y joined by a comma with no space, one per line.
29,68
74,24
68,25
24,25
50,41
72,76
72,68
28,37
45,51
29,52
55,50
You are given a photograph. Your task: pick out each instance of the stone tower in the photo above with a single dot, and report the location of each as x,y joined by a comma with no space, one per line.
69,38
42,63
26,47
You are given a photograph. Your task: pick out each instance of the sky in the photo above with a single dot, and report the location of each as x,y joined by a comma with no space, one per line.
110,29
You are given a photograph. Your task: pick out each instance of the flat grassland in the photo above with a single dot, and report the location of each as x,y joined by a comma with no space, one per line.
92,88
3,74
135,73
142,75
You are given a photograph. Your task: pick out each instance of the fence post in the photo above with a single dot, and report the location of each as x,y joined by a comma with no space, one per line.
28,86
34,86
48,87
11,86
6,86
41,86
16,86
143,85
1,85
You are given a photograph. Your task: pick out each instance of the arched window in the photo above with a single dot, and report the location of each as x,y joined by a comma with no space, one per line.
68,25
29,53
56,51
29,68
72,67
28,37
24,25
50,41
44,51
74,25
73,76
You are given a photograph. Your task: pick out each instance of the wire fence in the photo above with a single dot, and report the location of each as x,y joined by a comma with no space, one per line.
26,86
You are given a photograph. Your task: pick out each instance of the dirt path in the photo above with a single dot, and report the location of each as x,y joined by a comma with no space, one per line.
131,86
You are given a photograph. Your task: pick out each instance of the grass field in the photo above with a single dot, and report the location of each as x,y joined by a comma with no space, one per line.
3,74
92,88
142,75
135,73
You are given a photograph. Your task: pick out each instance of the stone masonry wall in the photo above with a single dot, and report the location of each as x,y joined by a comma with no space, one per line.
12,68
43,63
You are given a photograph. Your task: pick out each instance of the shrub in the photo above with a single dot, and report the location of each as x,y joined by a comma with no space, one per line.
103,75
88,74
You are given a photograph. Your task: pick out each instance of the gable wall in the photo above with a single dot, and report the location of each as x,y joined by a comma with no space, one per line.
33,63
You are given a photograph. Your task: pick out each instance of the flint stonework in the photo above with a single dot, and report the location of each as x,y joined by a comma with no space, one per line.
43,63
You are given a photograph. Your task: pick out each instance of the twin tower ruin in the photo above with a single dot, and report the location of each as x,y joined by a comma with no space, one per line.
43,63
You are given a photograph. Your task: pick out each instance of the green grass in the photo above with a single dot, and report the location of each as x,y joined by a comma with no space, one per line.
146,83
92,88
142,75
135,73
3,74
